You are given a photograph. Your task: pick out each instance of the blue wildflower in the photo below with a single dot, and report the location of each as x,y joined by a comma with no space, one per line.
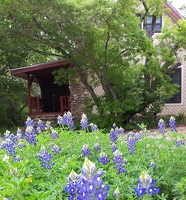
103,158
45,158
113,147
30,134
152,164
29,122
113,135
94,127
9,146
40,126
146,185
54,134
56,148
172,124
161,126
117,193
66,120
120,162
97,147
17,158
132,139
19,134
179,142
88,185
84,122
48,125
86,150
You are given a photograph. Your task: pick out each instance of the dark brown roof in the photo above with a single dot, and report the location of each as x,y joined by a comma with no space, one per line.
43,70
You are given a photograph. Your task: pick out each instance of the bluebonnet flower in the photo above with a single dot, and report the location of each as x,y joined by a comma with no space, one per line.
152,164
88,185
66,120
29,122
72,187
86,150
20,144
172,124
97,147
19,134
113,147
117,193
113,135
132,139
48,125
114,132
9,146
94,127
179,142
103,158
120,162
17,158
84,122
56,148
30,134
54,134
146,185
161,126
45,158
40,126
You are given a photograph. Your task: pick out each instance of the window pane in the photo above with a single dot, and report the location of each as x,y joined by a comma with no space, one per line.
148,24
176,78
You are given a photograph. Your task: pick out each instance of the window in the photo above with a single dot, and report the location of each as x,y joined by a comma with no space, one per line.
148,24
176,78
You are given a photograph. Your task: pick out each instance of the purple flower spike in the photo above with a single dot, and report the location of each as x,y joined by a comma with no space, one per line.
161,126
120,162
86,150
146,185
66,120
41,126
45,158
132,139
103,158
29,122
97,147
152,164
179,142
113,147
172,124
84,122
94,127
88,185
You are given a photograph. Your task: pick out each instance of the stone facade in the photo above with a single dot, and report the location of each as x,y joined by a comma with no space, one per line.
78,93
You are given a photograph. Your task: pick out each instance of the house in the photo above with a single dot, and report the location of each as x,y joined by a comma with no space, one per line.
54,100
177,104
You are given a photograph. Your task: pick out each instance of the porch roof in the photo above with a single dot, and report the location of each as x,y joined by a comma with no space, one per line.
42,70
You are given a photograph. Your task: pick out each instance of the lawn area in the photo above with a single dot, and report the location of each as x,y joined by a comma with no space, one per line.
64,163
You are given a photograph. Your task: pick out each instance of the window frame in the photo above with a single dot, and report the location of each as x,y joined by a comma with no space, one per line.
177,98
150,24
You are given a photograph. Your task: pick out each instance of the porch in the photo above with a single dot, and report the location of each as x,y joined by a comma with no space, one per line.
38,107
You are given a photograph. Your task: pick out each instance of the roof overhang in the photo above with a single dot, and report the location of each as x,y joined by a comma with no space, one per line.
173,13
41,71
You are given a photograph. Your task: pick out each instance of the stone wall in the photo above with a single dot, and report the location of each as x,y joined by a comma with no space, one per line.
78,93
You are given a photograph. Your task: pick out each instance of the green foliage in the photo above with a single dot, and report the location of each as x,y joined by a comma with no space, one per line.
104,42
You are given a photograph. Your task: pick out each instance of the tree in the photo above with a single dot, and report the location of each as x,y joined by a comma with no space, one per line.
104,41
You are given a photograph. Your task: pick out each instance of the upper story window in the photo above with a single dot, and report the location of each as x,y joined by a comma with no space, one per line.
176,79
148,23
